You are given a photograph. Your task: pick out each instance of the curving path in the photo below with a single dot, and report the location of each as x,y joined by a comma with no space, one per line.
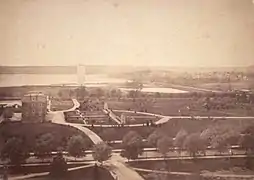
165,119
115,164
57,117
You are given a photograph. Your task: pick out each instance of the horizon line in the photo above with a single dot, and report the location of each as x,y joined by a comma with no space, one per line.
168,66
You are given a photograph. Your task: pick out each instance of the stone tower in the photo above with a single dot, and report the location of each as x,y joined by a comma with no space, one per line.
34,107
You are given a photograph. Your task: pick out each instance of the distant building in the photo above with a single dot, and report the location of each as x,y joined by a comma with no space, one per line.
81,74
34,107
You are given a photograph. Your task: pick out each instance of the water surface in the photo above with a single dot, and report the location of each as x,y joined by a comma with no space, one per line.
53,79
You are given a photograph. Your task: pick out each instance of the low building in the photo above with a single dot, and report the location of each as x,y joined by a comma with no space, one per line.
34,107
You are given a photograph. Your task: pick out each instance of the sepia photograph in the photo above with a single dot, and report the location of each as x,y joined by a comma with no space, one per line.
126,90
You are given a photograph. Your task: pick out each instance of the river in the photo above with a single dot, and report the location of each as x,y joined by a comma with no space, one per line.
7,80
92,80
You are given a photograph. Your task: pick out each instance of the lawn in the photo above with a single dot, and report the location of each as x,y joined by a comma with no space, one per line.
172,127
187,106
30,131
136,118
117,133
225,86
88,174
59,105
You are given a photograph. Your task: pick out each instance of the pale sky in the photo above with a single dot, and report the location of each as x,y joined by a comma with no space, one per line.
127,32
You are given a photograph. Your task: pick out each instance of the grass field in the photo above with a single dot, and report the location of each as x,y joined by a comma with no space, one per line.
117,133
135,118
225,86
88,173
30,131
59,105
179,106
172,127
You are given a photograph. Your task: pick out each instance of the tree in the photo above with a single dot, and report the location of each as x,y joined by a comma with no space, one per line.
247,142
7,113
108,133
71,93
219,142
132,145
207,104
119,93
115,93
179,139
44,145
194,144
81,92
98,92
15,150
224,138
134,94
154,137
163,145
60,94
1,109
101,152
58,167
112,92
76,146
207,135
220,145
143,104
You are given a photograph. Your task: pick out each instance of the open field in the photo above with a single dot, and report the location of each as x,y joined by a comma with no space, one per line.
185,107
225,86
